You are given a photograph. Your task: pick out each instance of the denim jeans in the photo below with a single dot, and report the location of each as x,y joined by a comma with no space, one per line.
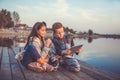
30,55
71,64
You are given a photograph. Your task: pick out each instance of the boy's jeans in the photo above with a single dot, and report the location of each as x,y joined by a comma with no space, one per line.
71,64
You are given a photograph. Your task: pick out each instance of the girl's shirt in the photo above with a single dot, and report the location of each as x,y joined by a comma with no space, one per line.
40,47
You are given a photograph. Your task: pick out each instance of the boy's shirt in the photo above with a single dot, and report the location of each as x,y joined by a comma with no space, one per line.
60,45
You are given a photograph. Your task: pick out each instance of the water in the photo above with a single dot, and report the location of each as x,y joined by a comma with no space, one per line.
102,53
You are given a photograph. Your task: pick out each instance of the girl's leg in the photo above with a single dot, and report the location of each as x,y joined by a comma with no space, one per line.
30,55
35,66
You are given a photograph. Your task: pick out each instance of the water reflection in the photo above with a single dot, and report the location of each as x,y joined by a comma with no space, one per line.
103,53
6,42
90,39
14,41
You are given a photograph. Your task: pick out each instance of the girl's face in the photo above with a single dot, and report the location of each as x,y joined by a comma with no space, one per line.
42,31
59,33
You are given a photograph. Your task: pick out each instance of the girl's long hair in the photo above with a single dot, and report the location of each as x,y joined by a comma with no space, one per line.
34,33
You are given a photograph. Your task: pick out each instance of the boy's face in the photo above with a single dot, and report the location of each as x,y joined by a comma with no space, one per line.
59,32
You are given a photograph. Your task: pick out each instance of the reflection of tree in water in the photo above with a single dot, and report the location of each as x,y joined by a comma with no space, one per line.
90,39
9,42
97,36
6,42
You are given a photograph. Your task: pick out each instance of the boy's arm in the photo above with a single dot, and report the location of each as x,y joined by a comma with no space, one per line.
58,51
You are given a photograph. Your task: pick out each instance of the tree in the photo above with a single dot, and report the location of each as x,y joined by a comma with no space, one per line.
16,18
2,18
5,19
70,30
90,32
9,22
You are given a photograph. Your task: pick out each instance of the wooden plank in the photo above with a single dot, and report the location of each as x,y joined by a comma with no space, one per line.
0,56
42,76
97,73
66,75
5,73
87,72
58,75
75,75
31,75
16,71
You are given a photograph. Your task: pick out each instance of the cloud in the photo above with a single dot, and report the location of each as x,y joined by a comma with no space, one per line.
23,8
51,12
61,8
77,16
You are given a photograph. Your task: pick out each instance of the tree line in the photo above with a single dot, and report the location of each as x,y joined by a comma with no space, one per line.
8,19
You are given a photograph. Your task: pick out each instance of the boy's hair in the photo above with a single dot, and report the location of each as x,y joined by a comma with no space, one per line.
56,25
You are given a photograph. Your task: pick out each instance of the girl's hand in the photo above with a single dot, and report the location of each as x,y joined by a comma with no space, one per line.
48,42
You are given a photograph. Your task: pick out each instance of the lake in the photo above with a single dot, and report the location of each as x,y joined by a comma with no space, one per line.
102,53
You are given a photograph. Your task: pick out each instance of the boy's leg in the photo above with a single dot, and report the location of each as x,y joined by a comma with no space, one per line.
72,64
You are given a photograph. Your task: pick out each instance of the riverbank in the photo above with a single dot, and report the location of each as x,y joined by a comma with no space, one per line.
25,32
7,33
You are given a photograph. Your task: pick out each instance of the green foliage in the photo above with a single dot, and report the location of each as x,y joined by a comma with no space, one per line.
90,32
6,19
69,30
16,18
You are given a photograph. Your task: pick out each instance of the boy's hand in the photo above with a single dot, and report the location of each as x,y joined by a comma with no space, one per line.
66,52
78,51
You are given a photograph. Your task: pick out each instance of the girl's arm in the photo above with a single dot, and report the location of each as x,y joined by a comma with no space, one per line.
42,52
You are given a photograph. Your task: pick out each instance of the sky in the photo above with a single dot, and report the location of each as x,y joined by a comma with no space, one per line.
102,16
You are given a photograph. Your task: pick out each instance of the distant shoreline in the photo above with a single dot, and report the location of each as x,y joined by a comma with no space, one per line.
13,33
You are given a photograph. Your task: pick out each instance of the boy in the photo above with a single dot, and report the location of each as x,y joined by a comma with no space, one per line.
62,46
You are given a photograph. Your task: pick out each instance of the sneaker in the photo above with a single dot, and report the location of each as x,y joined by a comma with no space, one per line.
19,56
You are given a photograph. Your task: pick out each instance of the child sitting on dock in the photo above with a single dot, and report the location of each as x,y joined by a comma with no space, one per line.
35,56
62,46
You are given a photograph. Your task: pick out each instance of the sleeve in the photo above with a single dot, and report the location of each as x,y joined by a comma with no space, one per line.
52,49
42,52
69,39
72,43
57,48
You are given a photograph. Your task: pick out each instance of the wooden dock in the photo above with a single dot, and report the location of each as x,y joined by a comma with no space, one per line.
10,69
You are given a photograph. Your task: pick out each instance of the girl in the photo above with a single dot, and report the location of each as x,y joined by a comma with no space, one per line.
35,56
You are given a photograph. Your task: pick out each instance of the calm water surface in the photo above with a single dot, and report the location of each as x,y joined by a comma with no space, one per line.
101,53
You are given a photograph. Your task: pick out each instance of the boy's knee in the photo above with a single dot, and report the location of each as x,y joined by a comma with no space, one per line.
76,69
73,68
